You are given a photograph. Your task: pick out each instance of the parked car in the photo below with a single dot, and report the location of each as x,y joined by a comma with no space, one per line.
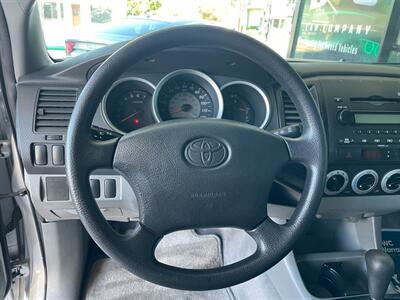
114,33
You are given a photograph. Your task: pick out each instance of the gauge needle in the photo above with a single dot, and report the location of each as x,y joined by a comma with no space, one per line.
176,111
128,117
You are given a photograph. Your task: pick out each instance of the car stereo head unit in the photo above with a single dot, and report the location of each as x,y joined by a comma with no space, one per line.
363,119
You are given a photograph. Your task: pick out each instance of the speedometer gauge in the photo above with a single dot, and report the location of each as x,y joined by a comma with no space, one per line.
187,94
185,100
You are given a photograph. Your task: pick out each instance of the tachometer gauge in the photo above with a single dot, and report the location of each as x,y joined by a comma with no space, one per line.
187,94
127,106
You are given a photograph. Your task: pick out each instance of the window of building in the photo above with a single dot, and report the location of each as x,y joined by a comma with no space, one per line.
50,10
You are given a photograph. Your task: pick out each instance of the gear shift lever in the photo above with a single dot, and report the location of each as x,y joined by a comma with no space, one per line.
380,269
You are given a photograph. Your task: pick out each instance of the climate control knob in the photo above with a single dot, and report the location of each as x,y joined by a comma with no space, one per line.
336,182
391,182
364,182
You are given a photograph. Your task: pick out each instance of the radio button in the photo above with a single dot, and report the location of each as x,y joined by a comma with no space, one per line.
362,141
338,99
366,141
348,141
349,153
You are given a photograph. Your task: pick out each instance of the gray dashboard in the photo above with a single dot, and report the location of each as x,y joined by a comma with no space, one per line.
41,147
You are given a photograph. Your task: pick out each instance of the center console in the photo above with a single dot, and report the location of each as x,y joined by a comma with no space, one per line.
363,125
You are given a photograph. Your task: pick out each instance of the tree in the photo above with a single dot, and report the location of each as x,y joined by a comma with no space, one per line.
142,7
208,14
152,6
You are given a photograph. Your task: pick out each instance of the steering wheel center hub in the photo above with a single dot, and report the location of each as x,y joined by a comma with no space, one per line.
200,173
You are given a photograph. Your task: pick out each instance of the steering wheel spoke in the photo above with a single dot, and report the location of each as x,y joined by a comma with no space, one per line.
267,234
100,154
299,149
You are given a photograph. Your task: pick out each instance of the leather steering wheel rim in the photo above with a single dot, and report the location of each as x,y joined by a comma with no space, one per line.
241,182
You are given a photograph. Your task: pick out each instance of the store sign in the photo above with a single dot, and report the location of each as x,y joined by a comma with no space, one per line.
336,30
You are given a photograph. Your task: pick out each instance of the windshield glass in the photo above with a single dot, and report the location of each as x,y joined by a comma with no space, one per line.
362,31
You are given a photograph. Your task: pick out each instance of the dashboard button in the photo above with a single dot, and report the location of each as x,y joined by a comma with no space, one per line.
338,99
361,141
54,137
40,155
348,141
95,187
58,155
349,153
110,188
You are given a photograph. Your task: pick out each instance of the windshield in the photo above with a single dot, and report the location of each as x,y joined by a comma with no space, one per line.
361,31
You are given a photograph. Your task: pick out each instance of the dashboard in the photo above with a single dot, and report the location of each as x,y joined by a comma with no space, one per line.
359,104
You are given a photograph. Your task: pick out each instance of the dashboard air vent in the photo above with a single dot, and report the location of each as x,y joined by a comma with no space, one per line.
290,114
53,110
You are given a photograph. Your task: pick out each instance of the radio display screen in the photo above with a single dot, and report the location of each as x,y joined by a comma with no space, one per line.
383,118
372,154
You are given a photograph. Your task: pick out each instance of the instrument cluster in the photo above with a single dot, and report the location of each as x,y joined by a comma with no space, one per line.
132,103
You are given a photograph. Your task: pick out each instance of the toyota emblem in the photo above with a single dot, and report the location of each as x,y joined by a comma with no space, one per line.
206,153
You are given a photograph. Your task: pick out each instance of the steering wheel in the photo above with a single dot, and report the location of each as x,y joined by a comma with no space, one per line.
196,173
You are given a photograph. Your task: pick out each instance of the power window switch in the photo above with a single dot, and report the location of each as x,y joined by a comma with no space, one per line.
110,188
95,187
40,155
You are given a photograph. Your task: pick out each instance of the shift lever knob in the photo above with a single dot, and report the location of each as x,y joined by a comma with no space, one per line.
380,269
